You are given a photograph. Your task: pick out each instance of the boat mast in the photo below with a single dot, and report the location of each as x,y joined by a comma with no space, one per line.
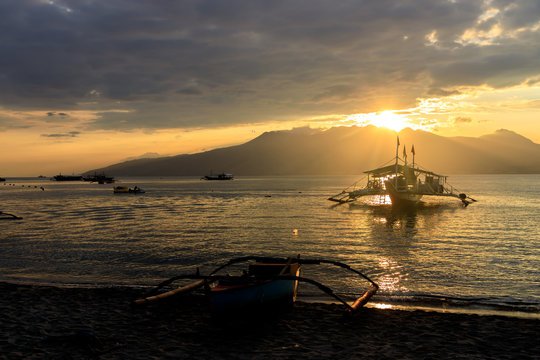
405,154
397,149
413,153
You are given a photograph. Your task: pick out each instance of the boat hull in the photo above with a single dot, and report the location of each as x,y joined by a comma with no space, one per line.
127,190
254,295
222,176
270,294
402,198
68,178
121,189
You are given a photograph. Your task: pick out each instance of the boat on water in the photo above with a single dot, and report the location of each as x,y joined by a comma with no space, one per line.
127,190
2,179
100,179
268,283
222,176
404,184
61,177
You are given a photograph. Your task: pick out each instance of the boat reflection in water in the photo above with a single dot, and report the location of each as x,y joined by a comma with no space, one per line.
400,237
405,218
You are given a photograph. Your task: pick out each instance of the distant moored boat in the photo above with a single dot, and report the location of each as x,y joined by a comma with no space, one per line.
100,179
61,177
127,190
222,176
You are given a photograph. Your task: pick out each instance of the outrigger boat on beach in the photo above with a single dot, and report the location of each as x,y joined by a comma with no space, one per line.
268,283
404,184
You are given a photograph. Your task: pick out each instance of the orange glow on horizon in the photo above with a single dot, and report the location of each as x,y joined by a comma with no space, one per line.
40,143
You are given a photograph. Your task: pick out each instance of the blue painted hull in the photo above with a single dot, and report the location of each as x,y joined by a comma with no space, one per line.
248,293
268,294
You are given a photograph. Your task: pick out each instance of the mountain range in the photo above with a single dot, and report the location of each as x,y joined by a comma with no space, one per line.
346,151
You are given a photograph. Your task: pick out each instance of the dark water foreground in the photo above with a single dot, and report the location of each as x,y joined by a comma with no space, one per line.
441,255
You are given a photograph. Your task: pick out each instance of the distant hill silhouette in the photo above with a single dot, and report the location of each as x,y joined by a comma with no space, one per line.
346,151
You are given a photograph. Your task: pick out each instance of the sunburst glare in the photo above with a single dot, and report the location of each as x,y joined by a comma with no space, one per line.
388,119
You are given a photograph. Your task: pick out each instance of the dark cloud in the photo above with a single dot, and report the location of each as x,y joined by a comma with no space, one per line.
70,134
519,13
441,92
189,91
462,119
335,93
51,113
212,62
498,70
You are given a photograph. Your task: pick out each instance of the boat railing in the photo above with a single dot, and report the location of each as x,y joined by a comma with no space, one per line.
449,189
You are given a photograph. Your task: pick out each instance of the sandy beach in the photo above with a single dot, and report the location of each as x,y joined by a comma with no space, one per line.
42,322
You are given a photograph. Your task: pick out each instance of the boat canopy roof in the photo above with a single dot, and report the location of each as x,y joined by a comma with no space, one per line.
391,169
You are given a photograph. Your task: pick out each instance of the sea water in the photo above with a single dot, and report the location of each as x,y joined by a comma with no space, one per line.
440,255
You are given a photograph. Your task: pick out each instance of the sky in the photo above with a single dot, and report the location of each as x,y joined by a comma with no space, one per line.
89,83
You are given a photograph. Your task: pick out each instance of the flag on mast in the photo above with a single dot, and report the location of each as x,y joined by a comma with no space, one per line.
405,154
412,150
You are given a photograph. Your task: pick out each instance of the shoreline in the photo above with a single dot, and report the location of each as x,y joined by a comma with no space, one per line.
375,303
52,322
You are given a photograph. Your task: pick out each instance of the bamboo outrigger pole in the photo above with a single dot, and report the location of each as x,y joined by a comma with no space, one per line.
167,294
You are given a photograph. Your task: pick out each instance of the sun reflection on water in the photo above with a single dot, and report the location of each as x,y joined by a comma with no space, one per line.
378,200
382,306
390,280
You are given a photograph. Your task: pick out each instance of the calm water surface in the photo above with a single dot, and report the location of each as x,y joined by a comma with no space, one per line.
483,257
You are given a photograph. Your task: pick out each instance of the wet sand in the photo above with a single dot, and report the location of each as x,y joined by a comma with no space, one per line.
40,322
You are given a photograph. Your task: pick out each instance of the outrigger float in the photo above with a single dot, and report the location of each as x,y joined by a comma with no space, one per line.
405,185
268,283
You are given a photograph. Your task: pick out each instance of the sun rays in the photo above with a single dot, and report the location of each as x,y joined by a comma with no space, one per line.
388,119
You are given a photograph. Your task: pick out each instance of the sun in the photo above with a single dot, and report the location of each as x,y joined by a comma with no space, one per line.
389,120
